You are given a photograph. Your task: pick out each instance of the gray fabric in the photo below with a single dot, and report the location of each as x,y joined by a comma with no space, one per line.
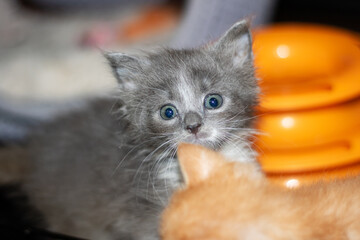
18,117
206,20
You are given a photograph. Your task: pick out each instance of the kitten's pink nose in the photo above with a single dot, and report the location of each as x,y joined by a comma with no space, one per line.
194,129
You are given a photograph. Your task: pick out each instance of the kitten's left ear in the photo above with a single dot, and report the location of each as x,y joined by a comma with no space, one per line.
236,43
197,163
125,68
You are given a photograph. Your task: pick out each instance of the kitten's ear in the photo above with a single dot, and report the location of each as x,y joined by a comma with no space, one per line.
197,163
125,68
236,43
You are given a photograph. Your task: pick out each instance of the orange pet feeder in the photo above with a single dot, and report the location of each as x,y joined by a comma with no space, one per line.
310,108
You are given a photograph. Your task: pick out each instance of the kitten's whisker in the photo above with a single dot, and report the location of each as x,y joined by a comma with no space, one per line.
237,114
126,155
240,129
165,154
160,167
244,141
169,167
145,161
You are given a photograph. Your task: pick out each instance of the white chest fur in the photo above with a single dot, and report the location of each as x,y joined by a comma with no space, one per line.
239,151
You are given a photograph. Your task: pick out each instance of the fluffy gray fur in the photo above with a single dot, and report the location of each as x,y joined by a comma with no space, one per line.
107,171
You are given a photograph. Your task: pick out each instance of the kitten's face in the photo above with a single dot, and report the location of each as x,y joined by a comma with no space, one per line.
201,96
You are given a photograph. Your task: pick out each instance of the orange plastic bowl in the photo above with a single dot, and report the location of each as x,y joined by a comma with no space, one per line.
293,180
306,66
310,108
309,129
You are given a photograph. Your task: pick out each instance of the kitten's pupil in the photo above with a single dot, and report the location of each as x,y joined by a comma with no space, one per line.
169,113
213,102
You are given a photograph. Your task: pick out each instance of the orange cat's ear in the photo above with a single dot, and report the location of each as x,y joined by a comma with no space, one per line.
197,163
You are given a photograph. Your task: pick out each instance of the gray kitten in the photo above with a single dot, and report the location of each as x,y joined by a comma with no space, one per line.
107,171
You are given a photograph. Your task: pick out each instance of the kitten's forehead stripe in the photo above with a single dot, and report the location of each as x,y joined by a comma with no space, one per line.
186,88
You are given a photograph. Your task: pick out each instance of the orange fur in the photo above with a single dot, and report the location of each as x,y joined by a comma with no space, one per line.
233,201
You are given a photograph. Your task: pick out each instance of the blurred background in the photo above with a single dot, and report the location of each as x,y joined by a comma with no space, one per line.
50,50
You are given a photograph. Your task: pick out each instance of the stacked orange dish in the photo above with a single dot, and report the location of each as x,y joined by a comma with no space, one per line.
310,107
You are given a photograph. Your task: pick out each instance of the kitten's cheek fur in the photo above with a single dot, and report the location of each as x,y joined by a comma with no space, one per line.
160,126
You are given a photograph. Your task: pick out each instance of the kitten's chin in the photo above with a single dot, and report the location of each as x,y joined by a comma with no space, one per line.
201,138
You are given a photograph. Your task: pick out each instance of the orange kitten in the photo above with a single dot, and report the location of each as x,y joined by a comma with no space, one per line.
232,200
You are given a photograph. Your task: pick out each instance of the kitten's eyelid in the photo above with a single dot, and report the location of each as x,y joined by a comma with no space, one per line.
213,93
166,104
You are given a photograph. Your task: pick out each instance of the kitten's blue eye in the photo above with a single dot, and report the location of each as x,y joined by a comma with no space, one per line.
213,101
168,112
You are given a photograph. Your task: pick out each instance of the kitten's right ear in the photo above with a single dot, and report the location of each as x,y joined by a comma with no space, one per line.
197,163
125,67
236,43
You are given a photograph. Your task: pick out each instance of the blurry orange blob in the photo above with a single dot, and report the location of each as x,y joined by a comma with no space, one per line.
304,66
153,21
310,107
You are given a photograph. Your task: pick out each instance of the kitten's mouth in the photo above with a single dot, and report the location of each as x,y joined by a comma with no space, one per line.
199,138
